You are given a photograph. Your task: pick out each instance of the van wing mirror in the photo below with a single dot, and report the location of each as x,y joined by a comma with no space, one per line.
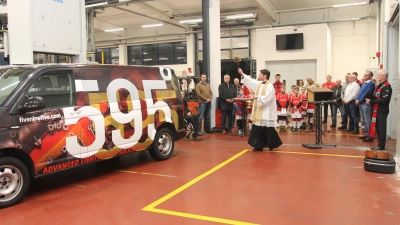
32,103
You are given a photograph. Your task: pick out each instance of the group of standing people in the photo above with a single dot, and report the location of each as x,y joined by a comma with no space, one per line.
368,98
354,96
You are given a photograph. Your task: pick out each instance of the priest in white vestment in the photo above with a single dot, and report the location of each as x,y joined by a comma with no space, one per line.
264,112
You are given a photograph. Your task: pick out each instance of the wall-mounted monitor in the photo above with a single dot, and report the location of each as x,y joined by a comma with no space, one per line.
289,41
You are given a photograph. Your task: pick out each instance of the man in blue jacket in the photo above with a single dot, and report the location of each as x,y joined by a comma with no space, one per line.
367,87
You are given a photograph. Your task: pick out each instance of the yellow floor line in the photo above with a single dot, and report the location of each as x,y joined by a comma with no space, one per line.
142,173
199,217
151,207
317,154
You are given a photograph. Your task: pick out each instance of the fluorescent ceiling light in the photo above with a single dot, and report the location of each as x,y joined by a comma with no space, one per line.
238,16
350,4
191,21
116,29
96,4
153,25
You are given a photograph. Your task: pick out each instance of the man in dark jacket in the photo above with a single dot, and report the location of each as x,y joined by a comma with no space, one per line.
226,91
337,90
380,106
191,118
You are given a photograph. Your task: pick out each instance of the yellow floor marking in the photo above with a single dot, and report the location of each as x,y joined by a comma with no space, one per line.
151,174
317,154
151,207
324,133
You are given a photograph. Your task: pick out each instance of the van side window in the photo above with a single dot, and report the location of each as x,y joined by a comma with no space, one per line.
56,88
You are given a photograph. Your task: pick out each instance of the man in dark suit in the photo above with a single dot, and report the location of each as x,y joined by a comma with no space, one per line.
380,105
337,90
226,91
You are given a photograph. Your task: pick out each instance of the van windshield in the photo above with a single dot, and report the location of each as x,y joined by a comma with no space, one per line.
10,79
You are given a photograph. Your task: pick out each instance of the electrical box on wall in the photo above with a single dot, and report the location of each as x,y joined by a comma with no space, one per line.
56,26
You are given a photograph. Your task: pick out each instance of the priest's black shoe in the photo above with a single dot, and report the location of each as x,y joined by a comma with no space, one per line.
362,137
377,148
368,139
257,149
342,128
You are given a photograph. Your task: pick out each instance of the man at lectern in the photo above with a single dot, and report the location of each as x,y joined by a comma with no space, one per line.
263,133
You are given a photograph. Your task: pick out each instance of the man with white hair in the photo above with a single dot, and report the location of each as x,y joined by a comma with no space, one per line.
380,105
350,100
345,108
226,92
311,83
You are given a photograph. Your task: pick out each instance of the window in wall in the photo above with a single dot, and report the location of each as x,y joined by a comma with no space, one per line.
233,43
114,52
158,54
166,53
107,55
180,52
135,55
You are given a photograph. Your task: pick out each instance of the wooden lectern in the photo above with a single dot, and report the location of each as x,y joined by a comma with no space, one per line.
319,97
320,94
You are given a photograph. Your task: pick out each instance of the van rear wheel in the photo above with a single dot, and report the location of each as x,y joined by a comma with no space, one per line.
163,145
14,181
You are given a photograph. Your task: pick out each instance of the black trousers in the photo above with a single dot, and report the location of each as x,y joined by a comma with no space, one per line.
380,128
193,120
227,113
326,110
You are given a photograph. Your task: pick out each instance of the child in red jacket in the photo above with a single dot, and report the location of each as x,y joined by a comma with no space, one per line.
295,102
282,102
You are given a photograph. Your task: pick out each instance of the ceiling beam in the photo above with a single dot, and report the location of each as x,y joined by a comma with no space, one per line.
267,7
159,8
151,17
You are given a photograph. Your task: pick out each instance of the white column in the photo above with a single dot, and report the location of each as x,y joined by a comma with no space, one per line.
123,54
20,32
215,53
123,50
191,53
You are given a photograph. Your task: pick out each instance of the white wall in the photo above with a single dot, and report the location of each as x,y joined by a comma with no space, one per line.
315,47
354,46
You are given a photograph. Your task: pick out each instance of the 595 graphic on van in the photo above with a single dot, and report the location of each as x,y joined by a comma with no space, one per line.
58,117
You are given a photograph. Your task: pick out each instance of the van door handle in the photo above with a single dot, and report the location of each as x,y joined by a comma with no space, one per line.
76,112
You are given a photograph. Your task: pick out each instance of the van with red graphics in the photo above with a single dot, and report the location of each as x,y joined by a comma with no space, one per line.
56,117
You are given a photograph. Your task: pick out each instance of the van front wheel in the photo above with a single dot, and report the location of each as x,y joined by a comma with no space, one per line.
163,145
14,181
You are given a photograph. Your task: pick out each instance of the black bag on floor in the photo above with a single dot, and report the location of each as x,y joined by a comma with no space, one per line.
380,166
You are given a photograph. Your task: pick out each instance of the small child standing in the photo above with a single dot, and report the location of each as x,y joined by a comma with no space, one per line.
249,111
303,92
239,111
282,100
295,102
